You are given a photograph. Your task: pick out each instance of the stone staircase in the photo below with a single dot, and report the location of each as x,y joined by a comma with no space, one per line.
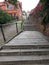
28,25
25,50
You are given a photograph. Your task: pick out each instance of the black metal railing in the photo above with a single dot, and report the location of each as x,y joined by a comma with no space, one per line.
9,31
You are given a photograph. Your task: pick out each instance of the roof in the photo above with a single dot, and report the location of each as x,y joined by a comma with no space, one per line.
2,3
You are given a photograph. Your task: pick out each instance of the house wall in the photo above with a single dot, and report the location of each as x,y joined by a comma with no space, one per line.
11,10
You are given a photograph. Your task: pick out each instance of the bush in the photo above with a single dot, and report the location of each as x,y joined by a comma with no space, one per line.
4,17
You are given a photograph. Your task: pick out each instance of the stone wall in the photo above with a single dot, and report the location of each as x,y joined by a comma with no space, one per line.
47,30
1,38
40,27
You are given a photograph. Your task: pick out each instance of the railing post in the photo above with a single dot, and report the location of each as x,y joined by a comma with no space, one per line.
3,33
16,28
22,26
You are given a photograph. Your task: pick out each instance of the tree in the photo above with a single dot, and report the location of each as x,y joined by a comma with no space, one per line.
14,2
45,13
4,17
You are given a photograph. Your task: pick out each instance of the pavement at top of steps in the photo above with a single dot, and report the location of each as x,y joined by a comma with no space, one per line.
28,37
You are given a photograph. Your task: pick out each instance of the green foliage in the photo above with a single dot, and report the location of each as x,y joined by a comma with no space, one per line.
44,21
41,13
14,2
4,17
45,11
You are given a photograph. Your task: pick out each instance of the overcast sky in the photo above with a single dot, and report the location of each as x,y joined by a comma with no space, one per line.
27,5
1,0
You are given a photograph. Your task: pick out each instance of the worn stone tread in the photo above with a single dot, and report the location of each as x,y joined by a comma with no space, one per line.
23,58
23,50
31,43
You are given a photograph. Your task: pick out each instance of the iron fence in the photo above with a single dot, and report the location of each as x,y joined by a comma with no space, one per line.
9,31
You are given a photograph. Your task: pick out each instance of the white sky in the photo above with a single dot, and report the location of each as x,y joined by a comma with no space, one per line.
1,0
27,5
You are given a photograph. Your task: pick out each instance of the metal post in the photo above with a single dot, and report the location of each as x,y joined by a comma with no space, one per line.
22,26
16,28
3,33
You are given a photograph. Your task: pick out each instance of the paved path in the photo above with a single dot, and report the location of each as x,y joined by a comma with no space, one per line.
28,37
28,48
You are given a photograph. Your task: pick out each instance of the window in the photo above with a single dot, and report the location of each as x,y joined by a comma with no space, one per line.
9,6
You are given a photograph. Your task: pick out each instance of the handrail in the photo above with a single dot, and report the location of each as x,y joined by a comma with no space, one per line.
16,29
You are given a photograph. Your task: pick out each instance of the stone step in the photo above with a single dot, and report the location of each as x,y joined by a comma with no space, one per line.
21,64
29,27
29,24
33,45
22,52
18,60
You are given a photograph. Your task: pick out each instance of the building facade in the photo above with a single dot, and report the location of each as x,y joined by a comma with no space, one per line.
10,9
